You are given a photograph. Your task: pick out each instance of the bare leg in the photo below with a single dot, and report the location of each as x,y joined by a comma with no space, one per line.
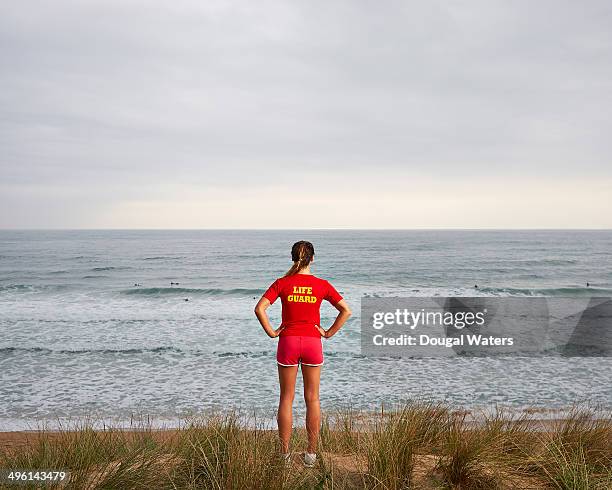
286,378
312,377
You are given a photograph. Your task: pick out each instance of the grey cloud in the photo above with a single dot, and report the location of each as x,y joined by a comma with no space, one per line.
121,95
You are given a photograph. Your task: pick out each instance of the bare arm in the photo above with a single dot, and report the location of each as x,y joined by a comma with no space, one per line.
260,312
344,312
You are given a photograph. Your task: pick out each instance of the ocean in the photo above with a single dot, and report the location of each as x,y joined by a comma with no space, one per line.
91,324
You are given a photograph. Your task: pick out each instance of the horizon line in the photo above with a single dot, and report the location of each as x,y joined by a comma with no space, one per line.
306,229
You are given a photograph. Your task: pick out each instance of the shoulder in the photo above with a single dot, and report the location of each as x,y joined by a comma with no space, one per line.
279,281
325,282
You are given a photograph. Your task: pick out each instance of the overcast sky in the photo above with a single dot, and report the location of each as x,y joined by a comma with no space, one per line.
306,114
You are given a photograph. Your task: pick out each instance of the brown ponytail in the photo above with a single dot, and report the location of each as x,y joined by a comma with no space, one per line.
302,254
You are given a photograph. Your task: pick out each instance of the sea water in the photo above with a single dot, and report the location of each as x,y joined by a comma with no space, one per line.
93,322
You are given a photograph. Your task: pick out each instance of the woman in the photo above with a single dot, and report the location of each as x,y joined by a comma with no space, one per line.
300,334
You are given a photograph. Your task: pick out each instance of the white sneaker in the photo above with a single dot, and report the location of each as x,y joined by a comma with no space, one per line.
310,459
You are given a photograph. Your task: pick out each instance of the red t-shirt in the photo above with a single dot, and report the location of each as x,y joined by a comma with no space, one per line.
301,297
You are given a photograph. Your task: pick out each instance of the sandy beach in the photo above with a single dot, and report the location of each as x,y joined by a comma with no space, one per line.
22,439
421,445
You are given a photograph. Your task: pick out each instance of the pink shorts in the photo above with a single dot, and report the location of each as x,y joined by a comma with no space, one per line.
295,349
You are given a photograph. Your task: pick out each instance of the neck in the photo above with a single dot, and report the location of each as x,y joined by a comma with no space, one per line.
305,270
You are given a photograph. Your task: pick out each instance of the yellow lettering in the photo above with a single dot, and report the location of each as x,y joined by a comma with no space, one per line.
293,298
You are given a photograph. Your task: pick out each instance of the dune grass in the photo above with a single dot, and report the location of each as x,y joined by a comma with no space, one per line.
418,445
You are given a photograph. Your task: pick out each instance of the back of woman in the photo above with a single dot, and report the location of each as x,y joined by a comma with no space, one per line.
301,297
300,333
